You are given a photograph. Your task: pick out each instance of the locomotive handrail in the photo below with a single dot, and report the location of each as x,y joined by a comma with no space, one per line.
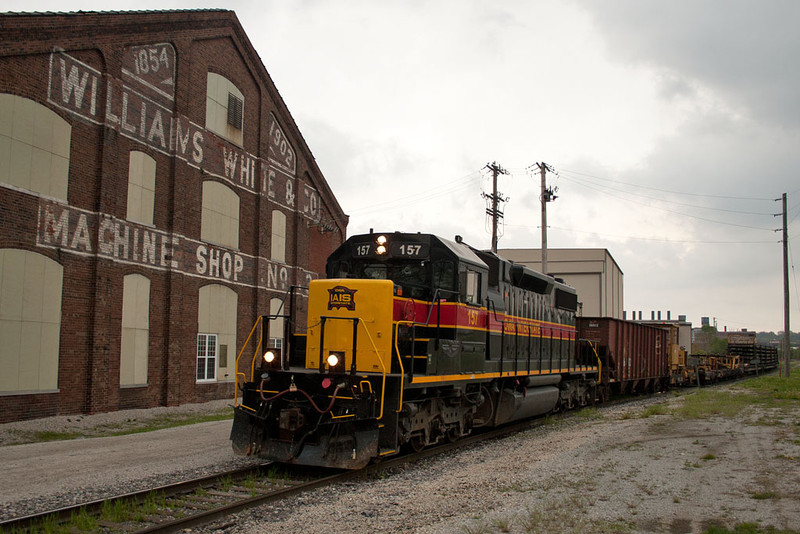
400,359
593,345
383,369
438,303
252,364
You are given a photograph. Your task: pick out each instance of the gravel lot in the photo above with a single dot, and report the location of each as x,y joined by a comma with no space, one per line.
609,470
612,472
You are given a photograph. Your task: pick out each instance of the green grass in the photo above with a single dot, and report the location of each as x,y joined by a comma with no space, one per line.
590,413
654,409
764,495
124,429
768,391
748,528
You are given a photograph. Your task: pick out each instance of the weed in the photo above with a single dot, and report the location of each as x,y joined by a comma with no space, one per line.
746,528
47,435
764,495
708,457
589,414
131,427
82,521
502,524
654,409
116,511
476,528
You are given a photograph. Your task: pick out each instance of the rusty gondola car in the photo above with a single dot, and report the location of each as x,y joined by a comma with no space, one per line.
634,356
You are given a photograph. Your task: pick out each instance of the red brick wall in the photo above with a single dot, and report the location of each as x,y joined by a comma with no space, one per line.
98,47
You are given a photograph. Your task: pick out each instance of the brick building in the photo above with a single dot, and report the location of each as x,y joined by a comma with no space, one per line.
156,196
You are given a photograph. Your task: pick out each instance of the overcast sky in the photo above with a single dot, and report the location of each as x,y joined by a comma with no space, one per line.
672,128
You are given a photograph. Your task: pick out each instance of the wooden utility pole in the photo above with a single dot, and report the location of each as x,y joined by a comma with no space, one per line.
496,198
546,196
787,346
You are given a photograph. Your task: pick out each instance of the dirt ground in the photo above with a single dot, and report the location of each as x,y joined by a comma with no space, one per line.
636,468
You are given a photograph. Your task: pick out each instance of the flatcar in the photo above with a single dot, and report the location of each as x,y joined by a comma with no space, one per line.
411,339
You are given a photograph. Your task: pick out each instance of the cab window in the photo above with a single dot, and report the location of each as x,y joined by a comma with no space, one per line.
471,287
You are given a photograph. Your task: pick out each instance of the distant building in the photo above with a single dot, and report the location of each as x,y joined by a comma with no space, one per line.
685,335
592,272
156,197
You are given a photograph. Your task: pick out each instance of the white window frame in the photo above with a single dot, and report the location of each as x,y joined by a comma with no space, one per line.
203,355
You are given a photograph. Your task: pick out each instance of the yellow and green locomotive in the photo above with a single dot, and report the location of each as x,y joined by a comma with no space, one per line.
410,340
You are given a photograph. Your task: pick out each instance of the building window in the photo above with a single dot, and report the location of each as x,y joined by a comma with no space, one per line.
278,248
276,325
235,108
141,187
216,316
224,108
134,351
220,215
206,357
34,147
30,321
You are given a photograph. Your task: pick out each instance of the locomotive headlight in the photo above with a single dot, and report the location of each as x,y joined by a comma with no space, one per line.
333,360
269,356
381,242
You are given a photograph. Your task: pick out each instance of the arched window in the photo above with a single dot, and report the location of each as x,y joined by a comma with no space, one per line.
135,330
216,337
220,216
30,321
141,187
34,147
224,108
278,248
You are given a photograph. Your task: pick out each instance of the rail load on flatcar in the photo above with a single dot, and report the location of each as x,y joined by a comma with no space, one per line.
411,339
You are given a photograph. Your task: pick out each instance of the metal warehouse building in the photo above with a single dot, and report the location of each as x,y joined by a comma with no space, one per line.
592,271
156,197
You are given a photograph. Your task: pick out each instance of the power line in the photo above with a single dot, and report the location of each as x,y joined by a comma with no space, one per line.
666,190
679,212
578,181
663,240
427,194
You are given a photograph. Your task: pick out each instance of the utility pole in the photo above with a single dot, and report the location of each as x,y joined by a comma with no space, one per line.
787,347
546,196
496,198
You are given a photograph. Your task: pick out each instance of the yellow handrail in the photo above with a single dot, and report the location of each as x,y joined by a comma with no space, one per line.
400,360
252,363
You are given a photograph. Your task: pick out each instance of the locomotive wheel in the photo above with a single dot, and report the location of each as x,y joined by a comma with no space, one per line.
417,442
453,434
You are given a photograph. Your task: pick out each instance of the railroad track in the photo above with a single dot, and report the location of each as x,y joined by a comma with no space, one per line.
206,500
210,499
176,506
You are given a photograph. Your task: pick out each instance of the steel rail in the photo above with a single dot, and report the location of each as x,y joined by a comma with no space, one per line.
63,514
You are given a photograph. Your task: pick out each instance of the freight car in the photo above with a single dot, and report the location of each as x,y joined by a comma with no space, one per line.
410,340
635,357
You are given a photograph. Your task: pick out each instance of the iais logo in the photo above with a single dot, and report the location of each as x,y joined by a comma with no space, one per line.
342,297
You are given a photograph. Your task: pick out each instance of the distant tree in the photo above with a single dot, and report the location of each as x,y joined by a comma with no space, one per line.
708,341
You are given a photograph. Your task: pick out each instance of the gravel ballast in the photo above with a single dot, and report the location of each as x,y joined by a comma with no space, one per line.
604,471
